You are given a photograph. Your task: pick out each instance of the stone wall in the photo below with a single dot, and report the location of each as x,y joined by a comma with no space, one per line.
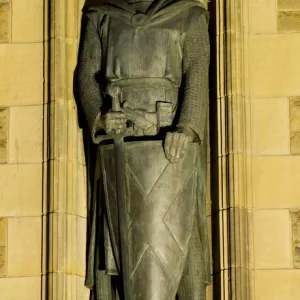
274,77
22,158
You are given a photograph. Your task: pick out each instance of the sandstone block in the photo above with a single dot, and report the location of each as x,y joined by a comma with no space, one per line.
25,288
209,292
21,74
270,126
275,181
288,4
27,27
4,128
272,236
294,114
82,292
21,190
26,138
277,284
295,142
263,16
295,124
295,217
5,21
288,21
24,246
3,246
274,68
68,287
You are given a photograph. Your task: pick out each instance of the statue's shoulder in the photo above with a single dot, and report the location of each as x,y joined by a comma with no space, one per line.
93,14
197,11
195,16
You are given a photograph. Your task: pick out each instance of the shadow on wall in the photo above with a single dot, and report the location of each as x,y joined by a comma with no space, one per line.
214,171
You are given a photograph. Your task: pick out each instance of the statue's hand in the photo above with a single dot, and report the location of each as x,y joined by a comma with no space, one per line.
176,144
114,122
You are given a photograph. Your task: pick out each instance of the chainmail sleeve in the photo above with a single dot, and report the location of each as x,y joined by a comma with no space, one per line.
196,54
88,66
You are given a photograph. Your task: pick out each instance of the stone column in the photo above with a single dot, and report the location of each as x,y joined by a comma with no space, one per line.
66,240
230,144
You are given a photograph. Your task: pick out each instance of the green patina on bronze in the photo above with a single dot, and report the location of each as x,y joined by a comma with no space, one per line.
153,182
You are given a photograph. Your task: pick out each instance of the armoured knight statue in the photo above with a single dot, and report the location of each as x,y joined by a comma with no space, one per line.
142,80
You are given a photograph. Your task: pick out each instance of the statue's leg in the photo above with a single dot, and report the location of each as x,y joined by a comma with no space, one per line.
192,286
103,286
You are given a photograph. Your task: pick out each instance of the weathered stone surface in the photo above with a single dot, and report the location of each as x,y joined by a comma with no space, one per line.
3,246
275,182
21,74
67,286
295,142
295,217
277,284
270,126
25,288
27,27
26,134
274,65
263,16
294,114
288,4
5,20
289,21
295,124
272,236
24,246
21,190
4,127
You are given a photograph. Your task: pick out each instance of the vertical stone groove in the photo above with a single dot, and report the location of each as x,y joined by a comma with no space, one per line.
233,113
63,161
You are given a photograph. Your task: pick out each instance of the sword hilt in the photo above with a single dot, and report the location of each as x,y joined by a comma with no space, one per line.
115,93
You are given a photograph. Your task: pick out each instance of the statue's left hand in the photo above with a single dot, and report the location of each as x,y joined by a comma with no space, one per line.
176,144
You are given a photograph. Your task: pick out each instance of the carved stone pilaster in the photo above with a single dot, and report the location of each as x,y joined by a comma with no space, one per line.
232,207
65,232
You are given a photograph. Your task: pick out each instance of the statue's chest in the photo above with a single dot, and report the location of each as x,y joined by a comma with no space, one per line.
136,36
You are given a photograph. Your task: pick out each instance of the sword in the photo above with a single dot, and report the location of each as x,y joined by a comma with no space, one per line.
120,171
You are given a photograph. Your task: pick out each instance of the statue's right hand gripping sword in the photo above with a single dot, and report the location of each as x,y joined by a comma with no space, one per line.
120,171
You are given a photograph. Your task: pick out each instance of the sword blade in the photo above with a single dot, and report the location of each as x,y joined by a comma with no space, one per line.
120,171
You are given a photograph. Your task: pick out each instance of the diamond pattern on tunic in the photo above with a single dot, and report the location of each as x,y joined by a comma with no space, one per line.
158,282
178,224
148,213
146,160
161,210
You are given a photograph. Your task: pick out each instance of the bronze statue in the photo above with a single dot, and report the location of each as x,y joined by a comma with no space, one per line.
142,80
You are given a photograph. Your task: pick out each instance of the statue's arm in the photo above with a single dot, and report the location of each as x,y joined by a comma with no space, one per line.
196,56
88,67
